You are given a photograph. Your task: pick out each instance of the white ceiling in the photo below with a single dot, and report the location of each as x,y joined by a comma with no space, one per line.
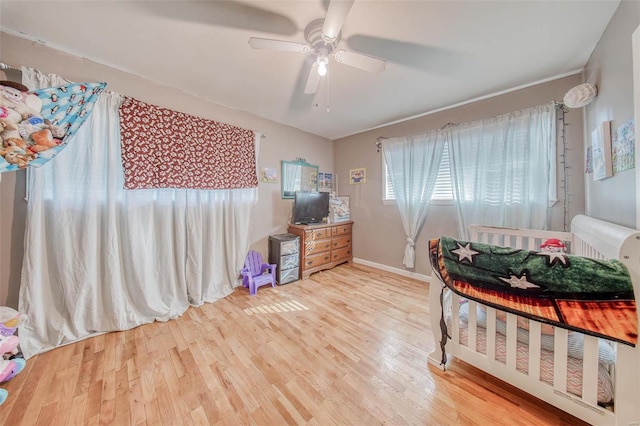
439,53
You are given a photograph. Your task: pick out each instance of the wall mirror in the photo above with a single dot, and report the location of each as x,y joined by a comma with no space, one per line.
298,176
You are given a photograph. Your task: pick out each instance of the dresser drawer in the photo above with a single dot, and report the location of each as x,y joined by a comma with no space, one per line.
317,246
317,260
317,234
341,230
342,253
340,242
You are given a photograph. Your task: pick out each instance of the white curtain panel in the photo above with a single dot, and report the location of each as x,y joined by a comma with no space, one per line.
413,163
504,169
99,258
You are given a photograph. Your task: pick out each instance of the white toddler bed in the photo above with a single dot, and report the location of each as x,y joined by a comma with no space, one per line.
591,378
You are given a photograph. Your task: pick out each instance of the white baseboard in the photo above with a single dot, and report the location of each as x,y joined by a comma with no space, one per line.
398,271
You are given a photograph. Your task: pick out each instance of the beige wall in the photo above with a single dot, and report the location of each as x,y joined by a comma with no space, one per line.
282,143
611,69
378,234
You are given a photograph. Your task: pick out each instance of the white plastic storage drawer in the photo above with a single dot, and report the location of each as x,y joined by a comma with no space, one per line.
288,275
290,261
289,247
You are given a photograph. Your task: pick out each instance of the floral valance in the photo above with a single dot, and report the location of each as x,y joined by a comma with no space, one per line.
163,148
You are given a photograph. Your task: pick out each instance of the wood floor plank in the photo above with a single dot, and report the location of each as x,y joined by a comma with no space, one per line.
346,346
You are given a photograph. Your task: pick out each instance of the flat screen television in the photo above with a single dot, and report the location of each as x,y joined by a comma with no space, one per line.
310,207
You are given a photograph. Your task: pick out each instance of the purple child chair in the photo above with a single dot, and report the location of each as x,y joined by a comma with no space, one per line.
253,273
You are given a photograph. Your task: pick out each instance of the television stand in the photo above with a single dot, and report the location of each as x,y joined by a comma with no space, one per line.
323,245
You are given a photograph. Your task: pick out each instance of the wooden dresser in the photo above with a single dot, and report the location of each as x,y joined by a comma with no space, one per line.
323,246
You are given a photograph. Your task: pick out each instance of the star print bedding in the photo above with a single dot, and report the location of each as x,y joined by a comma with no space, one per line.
577,293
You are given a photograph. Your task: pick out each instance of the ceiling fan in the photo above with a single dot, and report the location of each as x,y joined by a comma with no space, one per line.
322,37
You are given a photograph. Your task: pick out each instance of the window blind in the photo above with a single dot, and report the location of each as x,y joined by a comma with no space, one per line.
443,189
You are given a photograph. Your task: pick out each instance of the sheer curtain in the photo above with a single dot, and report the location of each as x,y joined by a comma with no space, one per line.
99,258
504,169
413,163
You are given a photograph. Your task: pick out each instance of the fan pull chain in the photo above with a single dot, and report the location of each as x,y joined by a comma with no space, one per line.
328,93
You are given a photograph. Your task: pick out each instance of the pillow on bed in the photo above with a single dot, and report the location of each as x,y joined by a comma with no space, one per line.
575,343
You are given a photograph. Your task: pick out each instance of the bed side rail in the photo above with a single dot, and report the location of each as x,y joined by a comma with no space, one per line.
515,237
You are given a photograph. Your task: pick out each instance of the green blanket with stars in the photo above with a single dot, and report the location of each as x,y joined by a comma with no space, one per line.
577,293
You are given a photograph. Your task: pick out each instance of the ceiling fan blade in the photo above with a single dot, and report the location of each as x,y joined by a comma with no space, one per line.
360,61
286,46
336,15
313,81
232,14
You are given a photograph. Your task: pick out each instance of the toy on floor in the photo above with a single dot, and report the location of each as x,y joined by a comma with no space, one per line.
8,370
20,363
11,361
9,344
9,320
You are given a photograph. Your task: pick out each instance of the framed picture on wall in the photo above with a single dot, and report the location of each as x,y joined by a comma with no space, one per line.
325,181
601,151
623,147
268,175
358,176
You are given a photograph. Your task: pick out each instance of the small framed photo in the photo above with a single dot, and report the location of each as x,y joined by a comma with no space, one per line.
268,175
328,181
358,176
325,181
601,151
313,178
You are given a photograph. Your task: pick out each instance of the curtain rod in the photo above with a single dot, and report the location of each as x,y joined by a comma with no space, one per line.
4,66
557,104
381,138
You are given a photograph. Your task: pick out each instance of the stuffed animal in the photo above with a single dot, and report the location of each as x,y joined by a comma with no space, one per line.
8,369
15,96
15,142
553,245
23,130
35,124
9,344
9,126
16,155
43,140
18,366
10,114
10,319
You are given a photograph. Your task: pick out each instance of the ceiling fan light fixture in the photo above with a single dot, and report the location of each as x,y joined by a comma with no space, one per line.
322,65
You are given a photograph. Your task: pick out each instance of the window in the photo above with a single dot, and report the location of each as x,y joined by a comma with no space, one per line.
443,190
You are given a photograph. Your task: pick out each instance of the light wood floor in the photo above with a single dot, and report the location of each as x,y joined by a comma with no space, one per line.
347,346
